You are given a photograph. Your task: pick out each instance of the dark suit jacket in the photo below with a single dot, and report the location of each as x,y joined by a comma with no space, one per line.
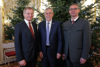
25,44
77,39
54,37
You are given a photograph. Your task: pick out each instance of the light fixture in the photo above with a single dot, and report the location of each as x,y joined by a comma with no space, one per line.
88,2
7,22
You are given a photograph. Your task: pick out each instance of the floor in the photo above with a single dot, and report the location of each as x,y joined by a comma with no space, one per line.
15,64
12,64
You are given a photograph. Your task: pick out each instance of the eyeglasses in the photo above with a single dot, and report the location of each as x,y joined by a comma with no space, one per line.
73,9
48,13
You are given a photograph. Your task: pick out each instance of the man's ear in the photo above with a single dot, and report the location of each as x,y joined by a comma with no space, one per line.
79,10
53,14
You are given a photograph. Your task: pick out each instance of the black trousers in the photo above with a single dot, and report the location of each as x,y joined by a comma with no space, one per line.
30,64
48,61
73,64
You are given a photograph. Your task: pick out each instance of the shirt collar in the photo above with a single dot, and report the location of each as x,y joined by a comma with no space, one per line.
49,21
75,19
26,21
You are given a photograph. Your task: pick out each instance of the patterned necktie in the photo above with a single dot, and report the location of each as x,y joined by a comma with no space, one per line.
47,35
73,22
30,27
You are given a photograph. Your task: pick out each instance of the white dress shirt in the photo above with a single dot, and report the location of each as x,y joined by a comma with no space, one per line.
74,19
27,23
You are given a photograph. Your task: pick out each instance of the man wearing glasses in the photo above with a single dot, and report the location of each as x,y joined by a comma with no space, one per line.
77,39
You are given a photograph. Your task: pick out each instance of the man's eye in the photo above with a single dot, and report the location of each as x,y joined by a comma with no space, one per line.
48,13
30,13
73,8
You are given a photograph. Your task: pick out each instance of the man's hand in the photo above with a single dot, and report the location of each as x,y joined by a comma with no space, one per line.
41,55
58,55
82,60
63,56
22,63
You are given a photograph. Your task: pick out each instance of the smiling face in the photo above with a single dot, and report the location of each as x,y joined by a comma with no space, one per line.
28,14
48,14
74,10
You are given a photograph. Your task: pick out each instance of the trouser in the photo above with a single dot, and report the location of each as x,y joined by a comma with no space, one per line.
73,64
48,61
30,64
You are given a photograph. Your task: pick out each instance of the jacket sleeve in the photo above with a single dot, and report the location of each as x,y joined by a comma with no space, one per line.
63,42
18,42
86,40
39,39
59,39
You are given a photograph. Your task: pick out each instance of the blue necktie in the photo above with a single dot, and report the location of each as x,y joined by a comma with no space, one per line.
47,35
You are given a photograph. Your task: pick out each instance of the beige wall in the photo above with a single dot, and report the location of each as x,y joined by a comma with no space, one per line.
8,4
1,52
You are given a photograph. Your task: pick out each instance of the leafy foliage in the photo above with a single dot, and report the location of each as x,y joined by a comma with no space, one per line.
61,8
16,18
89,14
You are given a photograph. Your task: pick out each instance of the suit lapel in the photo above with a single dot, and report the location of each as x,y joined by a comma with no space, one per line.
27,30
26,27
44,27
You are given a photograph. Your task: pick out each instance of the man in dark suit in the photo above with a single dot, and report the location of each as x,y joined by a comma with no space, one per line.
77,39
26,40
50,40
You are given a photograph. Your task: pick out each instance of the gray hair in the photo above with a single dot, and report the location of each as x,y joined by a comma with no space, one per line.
48,9
30,8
